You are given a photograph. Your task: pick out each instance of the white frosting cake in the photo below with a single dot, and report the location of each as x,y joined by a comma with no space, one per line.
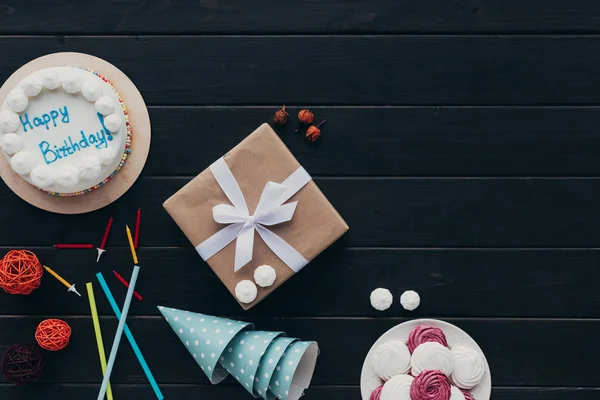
65,130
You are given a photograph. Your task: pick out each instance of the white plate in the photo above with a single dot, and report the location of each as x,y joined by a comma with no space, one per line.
455,337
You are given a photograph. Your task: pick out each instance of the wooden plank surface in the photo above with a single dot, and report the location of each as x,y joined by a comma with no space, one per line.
340,70
304,16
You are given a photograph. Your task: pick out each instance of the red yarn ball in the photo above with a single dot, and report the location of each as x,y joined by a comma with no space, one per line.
22,363
20,272
53,334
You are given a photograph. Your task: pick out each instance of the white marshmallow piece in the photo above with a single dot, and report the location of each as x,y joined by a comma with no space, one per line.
89,167
246,291
11,143
265,276
51,81
42,176
456,394
9,121
67,176
410,300
431,356
113,123
391,359
107,156
381,299
31,86
469,367
91,90
105,105
22,162
397,388
71,85
17,100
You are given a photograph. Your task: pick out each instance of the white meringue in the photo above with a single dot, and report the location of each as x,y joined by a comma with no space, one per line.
469,367
91,90
9,121
431,356
265,275
410,300
89,167
67,176
42,176
456,394
22,162
246,291
381,299
31,87
105,105
51,81
391,359
11,143
113,122
71,85
397,388
106,156
17,100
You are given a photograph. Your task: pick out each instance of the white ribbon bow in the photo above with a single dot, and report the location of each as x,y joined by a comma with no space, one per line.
269,211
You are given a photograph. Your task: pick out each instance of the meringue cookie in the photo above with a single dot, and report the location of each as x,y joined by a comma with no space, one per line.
106,156
9,121
91,90
456,394
265,275
71,85
31,87
246,291
105,105
432,356
22,162
113,122
467,394
410,300
17,100
89,167
42,176
391,359
11,143
381,299
430,385
469,367
397,388
376,394
67,176
424,333
51,81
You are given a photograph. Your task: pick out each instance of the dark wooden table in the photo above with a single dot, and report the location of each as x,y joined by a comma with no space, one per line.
462,147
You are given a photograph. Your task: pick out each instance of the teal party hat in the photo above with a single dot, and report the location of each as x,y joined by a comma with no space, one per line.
245,353
267,366
206,338
294,371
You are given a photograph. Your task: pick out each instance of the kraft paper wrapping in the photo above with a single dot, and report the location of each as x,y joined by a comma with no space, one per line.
258,159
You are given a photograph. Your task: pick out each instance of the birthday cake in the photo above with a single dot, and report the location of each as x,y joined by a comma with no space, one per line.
65,130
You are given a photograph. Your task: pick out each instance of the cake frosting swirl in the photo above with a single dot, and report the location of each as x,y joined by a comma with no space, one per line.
430,385
423,334
390,359
469,367
397,388
432,356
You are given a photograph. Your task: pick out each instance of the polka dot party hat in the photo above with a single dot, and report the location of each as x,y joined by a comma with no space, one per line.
294,371
265,371
245,353
206,338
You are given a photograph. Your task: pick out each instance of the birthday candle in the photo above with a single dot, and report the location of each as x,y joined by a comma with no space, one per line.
106,232
137,228
126,284
74,246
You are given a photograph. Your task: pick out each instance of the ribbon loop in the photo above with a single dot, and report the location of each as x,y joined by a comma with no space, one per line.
269,211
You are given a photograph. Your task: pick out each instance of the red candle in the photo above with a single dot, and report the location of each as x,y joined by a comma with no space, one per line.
136,240
73,246
126,284
106,232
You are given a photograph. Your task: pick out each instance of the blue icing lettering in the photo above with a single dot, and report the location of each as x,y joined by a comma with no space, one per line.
46,152
46,118
65,115
25,122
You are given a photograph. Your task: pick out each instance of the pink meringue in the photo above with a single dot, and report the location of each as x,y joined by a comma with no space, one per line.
424,333
430,385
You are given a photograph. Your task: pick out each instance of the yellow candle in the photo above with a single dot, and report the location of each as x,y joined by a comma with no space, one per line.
58,277
131,246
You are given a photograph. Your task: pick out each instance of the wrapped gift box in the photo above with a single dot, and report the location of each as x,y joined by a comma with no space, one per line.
258,164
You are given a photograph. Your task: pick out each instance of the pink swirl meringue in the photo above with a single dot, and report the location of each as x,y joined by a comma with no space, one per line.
468,395
376,394
423,333
430,385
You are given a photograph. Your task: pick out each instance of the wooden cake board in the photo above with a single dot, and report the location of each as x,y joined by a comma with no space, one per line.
140,139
